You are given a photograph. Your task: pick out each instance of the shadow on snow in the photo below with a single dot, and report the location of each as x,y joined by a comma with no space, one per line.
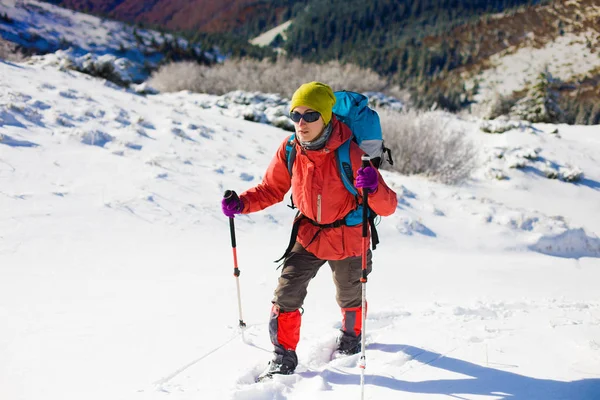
478,380
12,142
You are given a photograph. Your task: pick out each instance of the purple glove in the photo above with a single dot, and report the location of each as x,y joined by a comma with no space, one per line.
367,178
231,204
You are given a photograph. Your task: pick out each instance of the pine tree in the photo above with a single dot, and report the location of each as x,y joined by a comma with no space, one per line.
541,102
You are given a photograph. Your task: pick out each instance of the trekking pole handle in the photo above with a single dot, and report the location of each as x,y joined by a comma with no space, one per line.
366,160
230,194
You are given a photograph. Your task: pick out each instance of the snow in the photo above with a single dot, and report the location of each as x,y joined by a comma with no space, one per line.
116,262
267,37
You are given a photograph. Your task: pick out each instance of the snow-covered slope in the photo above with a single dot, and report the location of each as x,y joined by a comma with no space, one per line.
568,58
48,28
116,263
559,36
266,38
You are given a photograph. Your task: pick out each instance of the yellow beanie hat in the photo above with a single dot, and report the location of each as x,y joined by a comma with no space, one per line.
317,96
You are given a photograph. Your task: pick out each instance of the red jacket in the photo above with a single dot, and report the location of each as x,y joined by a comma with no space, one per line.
320,195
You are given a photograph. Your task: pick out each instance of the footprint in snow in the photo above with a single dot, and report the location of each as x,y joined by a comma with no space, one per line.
40,105
46,86
19,97
25,110
408,226
140,131
133,146
63,119
207,133
69,94
246,177
145,124
180,133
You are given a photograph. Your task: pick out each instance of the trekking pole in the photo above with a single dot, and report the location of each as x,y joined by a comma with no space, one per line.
236,271
365,247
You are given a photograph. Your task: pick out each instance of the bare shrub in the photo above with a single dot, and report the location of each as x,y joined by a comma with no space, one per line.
424,143
9,52
501,105
347,76
282,77
175,77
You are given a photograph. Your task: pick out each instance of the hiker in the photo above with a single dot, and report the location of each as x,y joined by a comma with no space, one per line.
322,234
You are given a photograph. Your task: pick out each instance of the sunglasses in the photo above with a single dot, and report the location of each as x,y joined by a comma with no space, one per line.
309,116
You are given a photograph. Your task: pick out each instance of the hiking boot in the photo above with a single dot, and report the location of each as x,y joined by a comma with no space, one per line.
348,344
284,362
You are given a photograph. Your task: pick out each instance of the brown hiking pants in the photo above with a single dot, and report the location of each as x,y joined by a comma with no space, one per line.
301,266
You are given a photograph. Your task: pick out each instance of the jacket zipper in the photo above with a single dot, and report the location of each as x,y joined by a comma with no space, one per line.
319,208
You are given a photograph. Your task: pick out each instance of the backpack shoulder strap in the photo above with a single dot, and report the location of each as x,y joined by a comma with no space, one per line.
342,154
290,152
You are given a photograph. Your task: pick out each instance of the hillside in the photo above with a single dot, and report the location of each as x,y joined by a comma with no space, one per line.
190,15
438,49
512,49
496,52
454,55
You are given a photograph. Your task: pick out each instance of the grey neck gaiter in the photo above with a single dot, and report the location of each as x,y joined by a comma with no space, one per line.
320,141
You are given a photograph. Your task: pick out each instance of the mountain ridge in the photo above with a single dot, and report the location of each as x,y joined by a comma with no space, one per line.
208,16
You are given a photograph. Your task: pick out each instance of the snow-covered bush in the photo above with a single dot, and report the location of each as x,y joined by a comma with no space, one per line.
380,100
572,242
498,125
516,162
528,153
143,88
94,138
564,173
500,161
570,174
541,102
265,108
282,77
107,66
495,173
424,143
257,107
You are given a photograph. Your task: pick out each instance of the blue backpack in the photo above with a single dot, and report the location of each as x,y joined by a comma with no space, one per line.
352,109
